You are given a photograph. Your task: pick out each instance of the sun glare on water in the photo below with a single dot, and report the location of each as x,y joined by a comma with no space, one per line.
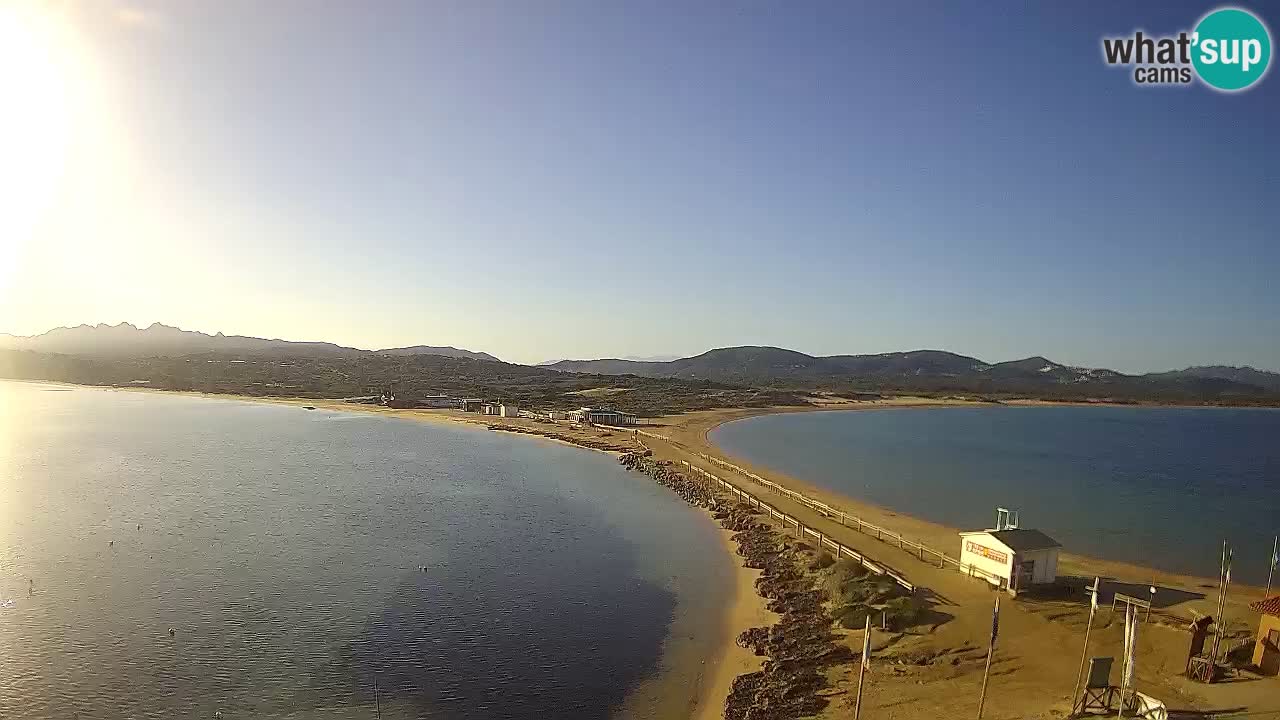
38,84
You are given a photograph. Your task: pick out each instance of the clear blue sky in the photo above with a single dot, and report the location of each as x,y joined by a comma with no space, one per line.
581,179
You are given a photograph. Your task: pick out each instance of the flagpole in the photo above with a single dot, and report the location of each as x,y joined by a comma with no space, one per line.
1084,654
1130,651
991,649
1275,553
862,668
1222,605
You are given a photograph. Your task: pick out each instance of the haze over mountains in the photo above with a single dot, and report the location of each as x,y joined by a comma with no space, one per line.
925,371
158,340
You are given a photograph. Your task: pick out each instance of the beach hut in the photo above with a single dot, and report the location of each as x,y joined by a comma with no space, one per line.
1266,651
1013,558
508,410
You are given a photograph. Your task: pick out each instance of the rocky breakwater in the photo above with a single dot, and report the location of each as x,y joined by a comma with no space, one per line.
578,439
664,473
801,646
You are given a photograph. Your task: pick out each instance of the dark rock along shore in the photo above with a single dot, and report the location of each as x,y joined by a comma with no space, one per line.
801,645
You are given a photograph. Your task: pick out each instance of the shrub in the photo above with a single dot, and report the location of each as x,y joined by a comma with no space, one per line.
854,616
822,561
901,613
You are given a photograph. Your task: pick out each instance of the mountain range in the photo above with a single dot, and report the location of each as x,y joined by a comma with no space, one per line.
158,340
924,371
933,370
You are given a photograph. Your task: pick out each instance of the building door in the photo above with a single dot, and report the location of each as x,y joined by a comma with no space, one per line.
1026,571
1270,663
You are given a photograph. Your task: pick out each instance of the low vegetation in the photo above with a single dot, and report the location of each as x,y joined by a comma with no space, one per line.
856,594
347,376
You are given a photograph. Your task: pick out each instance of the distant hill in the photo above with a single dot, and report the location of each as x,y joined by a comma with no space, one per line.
766,365
1250,376
452,352
158,340
362,374
940,371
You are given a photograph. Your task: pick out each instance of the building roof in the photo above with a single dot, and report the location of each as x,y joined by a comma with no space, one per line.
1270,606
1019,540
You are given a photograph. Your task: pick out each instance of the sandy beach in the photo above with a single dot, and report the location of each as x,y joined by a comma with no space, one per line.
1041,640
932,669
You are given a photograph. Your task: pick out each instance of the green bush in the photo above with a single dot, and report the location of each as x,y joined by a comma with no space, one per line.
822,561
854,616
847,569
902,612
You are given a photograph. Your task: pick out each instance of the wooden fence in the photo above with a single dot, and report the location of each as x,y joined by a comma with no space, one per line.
840,551
885,535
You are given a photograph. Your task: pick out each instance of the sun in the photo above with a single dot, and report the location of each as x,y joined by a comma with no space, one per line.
38,87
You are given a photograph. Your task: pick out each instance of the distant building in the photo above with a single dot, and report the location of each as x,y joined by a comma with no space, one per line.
1266,651
598,416
508,410
557,415
471,405
438,401
492,408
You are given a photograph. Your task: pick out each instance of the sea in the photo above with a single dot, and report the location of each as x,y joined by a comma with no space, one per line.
1157,487
166,556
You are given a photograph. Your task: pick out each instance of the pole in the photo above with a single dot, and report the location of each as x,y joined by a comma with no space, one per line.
1130,623
1084,654
1275,546
862,668
1217,612
377,701
991,649
1222,604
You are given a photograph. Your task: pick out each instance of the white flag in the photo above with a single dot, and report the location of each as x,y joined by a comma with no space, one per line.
866,645
1093,596
1130,645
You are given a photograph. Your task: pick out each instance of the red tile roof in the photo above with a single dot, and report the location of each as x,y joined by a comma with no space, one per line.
1270,606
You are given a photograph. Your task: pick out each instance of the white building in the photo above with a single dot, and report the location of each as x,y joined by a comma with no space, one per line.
492,408
508,411
597,416
1012,558
439,401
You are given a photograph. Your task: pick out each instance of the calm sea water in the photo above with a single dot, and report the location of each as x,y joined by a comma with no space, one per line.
283,547
1159,487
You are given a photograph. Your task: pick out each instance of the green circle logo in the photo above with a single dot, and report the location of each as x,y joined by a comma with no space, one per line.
1232,49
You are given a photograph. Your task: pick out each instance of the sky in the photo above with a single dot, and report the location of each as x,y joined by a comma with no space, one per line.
546,180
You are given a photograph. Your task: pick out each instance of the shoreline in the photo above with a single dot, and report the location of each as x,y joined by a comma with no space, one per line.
701,690
865,507
654,697
1071,563
747,609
